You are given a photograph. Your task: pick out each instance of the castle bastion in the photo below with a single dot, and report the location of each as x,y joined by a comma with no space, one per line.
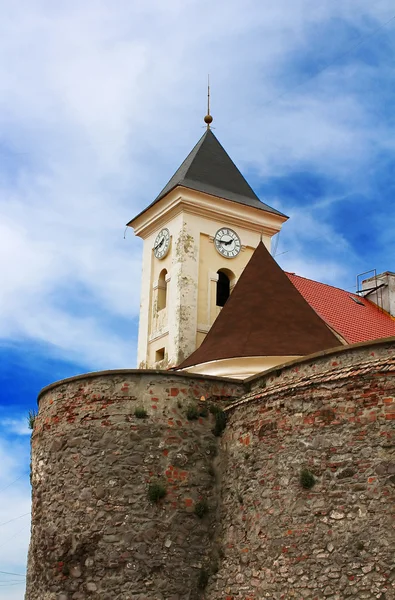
294,500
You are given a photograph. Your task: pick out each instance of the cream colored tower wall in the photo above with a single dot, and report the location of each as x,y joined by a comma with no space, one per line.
184,297
154,321
167,335
203,231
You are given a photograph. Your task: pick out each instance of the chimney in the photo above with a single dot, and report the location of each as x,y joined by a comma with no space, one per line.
381,291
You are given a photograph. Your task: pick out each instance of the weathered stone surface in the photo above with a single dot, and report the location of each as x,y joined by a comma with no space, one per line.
337,539
96,535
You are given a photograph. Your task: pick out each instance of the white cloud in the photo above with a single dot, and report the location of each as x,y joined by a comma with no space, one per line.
99,102
16,426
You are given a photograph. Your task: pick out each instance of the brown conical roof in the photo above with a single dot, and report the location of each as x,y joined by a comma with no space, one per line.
264,316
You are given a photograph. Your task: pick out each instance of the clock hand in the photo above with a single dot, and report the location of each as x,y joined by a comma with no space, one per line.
226,243
159,244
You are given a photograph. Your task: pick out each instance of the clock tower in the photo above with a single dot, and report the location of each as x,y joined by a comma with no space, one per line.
199,234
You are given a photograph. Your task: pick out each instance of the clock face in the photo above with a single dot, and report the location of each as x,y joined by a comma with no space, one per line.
227,242
162,244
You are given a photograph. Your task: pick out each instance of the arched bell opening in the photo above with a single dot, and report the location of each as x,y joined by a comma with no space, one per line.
225,284
162,290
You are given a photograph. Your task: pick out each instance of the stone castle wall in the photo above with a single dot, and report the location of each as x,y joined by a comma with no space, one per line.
95,533
333,417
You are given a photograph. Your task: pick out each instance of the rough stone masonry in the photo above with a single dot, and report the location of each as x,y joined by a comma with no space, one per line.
238,520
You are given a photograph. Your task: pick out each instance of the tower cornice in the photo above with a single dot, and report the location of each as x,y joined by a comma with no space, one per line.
182,199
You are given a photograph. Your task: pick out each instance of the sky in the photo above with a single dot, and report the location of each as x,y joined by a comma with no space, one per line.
100,103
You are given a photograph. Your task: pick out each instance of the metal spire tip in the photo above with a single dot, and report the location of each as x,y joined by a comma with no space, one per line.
208,119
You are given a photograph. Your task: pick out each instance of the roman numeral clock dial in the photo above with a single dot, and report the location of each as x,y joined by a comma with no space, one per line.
227,242
162,244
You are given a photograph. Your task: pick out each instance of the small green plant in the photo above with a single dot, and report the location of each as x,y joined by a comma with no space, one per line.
203,579
220,423
359,546
192,412
156,492
307,479
31,417
140,412
201,508
203,411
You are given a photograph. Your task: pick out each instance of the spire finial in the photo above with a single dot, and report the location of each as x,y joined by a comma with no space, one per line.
208,119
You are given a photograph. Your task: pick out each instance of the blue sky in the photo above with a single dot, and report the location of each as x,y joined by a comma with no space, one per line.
99,104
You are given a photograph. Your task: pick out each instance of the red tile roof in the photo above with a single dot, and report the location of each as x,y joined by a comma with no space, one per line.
353,321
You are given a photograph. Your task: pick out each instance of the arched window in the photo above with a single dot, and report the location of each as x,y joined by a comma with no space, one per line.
162,289
223,288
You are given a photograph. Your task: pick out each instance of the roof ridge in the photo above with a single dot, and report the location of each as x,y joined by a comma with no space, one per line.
335,287
194,151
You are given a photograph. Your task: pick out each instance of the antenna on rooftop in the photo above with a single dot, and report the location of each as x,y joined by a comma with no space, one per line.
208,119
375,287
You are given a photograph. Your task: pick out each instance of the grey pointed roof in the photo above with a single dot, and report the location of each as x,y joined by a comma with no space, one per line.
209,169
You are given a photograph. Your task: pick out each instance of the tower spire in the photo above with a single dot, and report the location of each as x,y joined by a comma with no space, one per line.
208,119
